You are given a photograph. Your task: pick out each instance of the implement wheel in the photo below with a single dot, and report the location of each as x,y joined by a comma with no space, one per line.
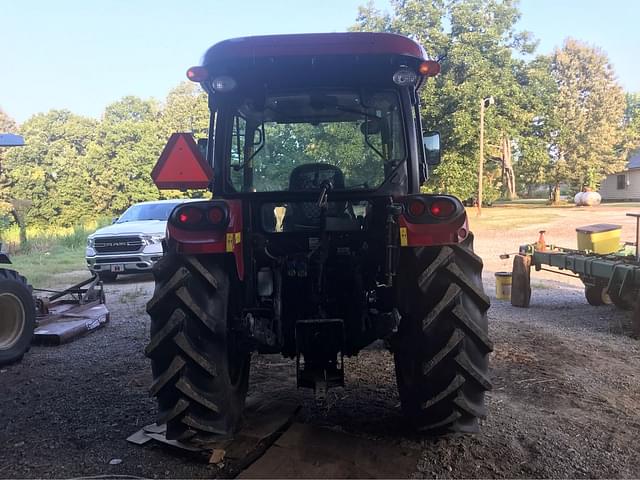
17,316
200,375
441,352
597,295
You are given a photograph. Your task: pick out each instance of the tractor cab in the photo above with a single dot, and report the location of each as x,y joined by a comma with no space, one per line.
343,100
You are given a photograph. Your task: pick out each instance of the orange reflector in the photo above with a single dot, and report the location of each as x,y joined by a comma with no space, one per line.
430,68
197,74
181,165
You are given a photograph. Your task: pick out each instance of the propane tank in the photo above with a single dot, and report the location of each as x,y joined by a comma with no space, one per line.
587,198
578,198
590,199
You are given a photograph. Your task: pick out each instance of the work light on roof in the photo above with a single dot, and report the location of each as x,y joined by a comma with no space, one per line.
405,77
223,84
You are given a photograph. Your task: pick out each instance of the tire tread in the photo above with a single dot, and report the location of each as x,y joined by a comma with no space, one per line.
449,346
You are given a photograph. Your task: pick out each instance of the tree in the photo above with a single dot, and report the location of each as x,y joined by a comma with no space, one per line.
7,210
632,122
532,165
481,54
589,115
49,171
7,124
186,110
120,158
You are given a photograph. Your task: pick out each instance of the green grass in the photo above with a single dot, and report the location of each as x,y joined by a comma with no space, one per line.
50,253
46,269
49,237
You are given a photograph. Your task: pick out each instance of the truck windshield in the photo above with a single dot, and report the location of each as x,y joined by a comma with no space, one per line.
147,211
295,141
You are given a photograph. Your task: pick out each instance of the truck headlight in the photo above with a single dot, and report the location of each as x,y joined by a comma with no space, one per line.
90,242
153,239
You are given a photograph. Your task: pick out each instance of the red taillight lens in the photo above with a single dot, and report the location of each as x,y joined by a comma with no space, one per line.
189,216
416,208
442,208
197,74
216,215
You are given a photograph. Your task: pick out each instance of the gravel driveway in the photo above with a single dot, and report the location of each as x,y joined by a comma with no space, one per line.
565,403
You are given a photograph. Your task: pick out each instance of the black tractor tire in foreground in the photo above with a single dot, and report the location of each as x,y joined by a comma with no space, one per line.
200,377
442,347
17,316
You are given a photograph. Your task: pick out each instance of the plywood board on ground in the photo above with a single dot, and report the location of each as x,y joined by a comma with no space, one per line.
308,451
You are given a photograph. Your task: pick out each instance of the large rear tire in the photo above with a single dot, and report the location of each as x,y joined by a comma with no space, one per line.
441,352
200,375
17,316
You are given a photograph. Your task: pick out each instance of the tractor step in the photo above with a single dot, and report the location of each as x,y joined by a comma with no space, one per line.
320,357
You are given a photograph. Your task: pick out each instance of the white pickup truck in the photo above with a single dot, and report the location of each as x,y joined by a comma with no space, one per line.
133,243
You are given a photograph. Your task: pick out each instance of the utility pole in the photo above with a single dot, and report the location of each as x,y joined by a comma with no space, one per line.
484,103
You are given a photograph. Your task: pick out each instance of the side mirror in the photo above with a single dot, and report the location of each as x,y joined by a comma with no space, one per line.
431,142
114,220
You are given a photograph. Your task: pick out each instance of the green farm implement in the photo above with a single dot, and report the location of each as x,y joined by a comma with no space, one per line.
609,270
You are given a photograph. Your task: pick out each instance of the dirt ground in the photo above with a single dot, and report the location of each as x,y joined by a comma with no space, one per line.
565,402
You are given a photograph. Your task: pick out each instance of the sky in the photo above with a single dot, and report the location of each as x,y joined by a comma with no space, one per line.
84,54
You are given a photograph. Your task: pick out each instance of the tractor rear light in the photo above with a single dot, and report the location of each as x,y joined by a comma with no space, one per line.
201,216
430,68
216,215
223,84
416,207
442,208
404,77
197,74
190,216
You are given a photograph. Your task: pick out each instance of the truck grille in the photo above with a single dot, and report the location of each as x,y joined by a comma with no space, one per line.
118,260
117,244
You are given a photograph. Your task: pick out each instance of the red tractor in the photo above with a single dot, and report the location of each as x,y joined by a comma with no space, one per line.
317,240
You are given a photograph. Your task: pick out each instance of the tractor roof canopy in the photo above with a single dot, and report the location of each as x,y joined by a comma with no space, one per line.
308,60
314,44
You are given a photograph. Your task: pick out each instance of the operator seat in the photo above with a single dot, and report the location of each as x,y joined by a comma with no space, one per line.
307,215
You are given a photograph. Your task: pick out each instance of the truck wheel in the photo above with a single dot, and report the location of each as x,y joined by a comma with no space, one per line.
200,374
597,295
17,316
442,348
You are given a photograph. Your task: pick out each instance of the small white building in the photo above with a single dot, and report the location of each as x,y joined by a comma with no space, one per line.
624,185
